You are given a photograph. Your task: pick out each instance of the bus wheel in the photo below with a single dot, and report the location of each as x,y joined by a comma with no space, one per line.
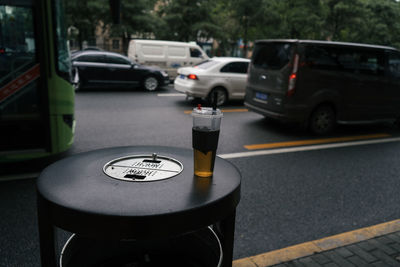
322,120
221,94
150,83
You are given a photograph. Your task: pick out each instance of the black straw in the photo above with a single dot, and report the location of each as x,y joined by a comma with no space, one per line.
214,103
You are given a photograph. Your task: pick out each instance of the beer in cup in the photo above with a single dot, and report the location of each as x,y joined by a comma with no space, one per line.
205,133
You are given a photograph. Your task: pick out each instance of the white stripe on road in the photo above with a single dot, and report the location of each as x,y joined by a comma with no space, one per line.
306,148
171,94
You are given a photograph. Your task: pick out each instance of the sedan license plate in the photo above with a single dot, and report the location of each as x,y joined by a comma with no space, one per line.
261,96
182,76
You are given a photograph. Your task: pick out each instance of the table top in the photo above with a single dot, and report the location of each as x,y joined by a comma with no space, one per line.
81,198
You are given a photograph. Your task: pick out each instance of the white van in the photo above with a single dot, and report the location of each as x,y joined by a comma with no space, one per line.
168,55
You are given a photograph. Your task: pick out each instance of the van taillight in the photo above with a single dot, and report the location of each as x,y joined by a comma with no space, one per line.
192,77
293,76
292,84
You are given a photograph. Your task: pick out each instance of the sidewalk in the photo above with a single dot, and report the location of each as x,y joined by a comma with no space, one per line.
376,246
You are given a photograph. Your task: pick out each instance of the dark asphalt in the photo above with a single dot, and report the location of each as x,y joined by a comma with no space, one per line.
286,198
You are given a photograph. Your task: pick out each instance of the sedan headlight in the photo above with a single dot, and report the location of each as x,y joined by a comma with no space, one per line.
164,73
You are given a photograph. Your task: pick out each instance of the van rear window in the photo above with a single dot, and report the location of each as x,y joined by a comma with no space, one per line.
272,55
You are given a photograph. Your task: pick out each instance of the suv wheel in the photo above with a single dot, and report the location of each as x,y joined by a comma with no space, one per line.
322,120
221,94
150,83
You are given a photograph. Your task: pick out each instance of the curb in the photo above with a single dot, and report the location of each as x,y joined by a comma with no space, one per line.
316,246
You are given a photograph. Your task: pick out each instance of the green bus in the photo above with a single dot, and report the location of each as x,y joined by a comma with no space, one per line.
36,95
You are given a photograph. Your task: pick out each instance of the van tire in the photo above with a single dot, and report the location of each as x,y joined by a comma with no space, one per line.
150,83
322,120
222,96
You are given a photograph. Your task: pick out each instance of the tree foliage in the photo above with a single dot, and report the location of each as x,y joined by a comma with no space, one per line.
227,21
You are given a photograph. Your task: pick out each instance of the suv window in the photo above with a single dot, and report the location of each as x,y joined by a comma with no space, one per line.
195,52
235,67
117,60
272,55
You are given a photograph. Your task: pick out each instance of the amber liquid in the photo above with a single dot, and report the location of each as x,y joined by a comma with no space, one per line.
203,163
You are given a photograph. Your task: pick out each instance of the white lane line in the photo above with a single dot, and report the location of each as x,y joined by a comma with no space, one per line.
306,148
170,94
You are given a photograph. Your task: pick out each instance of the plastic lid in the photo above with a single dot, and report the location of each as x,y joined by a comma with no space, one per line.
207,112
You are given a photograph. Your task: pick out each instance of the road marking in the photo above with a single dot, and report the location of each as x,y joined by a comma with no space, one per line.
170,94
305,148
317,246
315,141
224,110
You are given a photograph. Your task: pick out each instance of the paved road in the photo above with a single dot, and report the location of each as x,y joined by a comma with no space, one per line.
287,197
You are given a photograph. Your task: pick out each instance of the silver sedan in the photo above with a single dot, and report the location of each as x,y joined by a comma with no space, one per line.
223,77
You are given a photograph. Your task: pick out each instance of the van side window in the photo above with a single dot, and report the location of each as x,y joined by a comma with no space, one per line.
235,67
394,65
195,52
344,59
331,58
370,63
272,55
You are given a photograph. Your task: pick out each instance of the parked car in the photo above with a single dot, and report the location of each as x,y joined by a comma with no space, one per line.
108,69
225,76
320,83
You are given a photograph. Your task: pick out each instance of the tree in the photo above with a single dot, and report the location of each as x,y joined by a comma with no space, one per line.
343,19
382,23
185,20
136,17
84,16
246,14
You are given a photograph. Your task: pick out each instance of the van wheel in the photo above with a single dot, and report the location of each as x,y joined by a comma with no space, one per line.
150,83
322,120
222,96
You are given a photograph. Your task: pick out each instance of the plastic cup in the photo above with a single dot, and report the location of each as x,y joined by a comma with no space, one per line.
205,134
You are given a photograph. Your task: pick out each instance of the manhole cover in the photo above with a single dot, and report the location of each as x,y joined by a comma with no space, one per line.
143,168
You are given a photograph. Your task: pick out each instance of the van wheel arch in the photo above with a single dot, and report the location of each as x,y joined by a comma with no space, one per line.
322,119
222,95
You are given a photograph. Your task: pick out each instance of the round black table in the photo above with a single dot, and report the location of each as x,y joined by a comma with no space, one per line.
75,194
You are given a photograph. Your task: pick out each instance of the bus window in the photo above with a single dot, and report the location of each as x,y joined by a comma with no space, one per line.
21,117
